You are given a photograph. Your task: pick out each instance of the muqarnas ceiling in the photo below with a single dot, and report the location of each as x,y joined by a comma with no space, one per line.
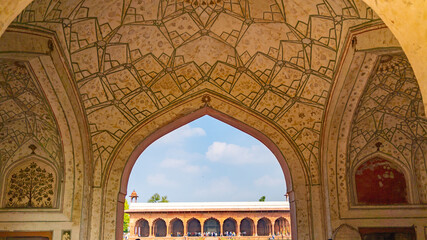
133,58
27,124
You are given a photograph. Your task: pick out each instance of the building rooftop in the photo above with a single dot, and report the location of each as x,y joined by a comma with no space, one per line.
208,206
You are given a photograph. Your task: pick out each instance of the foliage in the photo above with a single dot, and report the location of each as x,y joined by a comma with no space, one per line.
156,198
33,184
164,199
262,199
126,218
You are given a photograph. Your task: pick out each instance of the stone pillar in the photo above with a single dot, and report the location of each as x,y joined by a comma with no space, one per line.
238,227
185,224
221,225
202,223
272,222
150,228
255,227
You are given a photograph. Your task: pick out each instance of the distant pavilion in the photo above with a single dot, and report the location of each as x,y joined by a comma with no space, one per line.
196,219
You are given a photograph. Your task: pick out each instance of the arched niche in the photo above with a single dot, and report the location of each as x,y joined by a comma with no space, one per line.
224,110
142,228
48,65
32,182
379,181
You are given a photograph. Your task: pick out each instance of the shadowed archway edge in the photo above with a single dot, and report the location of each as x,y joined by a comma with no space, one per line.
183,112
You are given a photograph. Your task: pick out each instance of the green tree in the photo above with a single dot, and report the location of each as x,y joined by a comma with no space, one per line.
156,198
164,199
126,218
262,199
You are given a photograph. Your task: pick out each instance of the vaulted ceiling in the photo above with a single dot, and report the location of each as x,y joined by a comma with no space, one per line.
132,58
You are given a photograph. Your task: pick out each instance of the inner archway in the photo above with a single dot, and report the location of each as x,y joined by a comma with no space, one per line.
176,228
242,119
212,227
142,228
159,228
247,227
281,227
193,227
229,226
263,227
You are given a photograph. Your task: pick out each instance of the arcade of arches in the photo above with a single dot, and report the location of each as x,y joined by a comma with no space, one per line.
212,227
209,219
87,85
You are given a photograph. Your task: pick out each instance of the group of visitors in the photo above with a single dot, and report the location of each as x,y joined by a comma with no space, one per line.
210,234
194,234
229,234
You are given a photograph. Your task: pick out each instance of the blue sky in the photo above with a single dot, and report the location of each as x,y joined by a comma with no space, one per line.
207,160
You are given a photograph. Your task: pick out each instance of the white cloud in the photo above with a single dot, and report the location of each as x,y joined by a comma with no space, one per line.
181,134
268,181
235,154
159,179
182,165
173,163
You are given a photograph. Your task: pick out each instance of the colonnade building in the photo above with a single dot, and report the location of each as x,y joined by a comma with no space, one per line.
195,219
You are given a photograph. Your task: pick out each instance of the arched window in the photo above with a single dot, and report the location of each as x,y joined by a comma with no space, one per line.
264,227
380,182
247,227
176,228
142,228
159,228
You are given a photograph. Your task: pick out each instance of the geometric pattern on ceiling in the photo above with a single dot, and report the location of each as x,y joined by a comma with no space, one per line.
132,58
25,116
391,112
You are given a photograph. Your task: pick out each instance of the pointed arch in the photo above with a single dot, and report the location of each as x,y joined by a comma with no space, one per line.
176,227
247,227
263,227
159,228
193,227
212,225
226,111
142,228
229,225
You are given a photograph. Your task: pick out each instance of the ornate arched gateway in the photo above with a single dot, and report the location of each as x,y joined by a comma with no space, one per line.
85,87
207,103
